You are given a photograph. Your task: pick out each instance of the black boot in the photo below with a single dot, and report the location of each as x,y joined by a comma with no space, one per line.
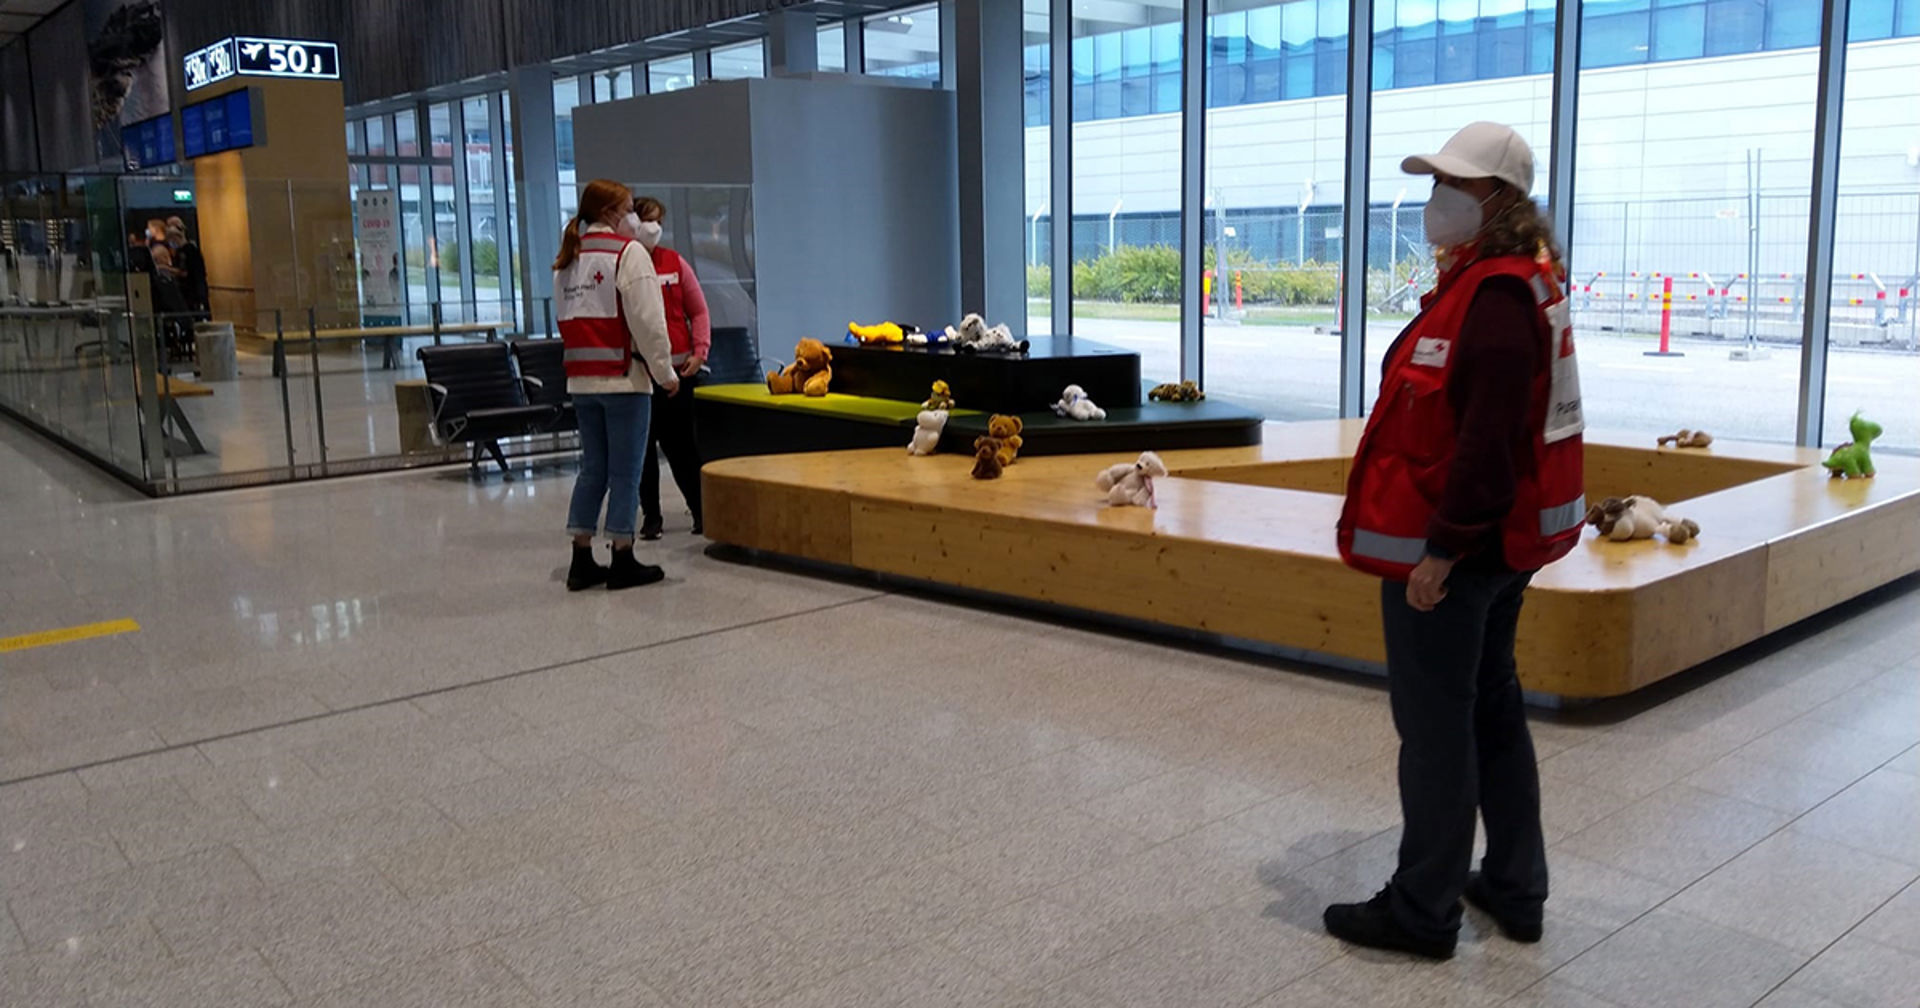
585,573
1371,924
630,573
651,527
699,527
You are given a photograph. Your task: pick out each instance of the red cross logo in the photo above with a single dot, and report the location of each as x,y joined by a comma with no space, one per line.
597,276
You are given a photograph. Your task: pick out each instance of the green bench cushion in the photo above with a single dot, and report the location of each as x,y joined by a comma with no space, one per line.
892,412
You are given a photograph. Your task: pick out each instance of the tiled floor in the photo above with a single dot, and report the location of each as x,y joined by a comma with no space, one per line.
365,751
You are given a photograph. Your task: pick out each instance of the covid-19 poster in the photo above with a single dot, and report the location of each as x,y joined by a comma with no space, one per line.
127,67
378,234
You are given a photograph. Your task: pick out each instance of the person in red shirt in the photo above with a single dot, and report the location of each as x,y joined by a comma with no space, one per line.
1467,481
691,329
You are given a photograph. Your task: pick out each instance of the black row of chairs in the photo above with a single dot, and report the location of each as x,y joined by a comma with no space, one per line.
483,392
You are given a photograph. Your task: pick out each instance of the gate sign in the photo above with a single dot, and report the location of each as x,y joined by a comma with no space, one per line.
261,57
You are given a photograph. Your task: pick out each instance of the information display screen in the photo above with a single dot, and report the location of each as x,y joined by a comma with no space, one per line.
148,143
218,124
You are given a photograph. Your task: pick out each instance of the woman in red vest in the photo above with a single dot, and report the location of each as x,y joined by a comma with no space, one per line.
691,331
1466,482
608,303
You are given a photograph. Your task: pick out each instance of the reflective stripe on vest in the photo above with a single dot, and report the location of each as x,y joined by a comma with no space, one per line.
1572,514
593,354
1406,550
593,322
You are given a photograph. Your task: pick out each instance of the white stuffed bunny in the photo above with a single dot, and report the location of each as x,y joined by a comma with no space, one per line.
926,433
1074,403
1131,483
973,335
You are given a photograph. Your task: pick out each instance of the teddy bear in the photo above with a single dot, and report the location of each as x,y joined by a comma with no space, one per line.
926,431
974,335
941,399
1131,483
810,372
1624,518
996,451
1186,391
1074,403
1851,460
1687,439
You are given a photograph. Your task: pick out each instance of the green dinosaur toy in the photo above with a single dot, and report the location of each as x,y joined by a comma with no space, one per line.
1850,460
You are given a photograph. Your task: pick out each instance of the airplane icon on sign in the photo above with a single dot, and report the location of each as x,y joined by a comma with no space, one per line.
252,49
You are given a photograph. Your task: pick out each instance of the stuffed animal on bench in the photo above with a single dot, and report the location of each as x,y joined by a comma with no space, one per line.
810,372
974,336
1186,391
926,431
1130,484
1075,404
1636,517
879,333
941,399
1687,439
996,451
1851,460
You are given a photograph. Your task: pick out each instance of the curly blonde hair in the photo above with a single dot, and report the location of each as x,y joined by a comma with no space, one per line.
1519,227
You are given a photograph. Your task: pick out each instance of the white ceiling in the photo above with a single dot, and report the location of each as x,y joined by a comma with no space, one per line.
16,16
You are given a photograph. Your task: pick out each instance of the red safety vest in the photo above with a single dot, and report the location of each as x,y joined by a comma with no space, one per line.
669,265
1400,469
593,322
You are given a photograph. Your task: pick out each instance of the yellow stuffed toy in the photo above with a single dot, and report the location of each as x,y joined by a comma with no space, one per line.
880,332
995,452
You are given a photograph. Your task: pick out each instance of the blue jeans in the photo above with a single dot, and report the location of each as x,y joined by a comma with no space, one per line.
613,441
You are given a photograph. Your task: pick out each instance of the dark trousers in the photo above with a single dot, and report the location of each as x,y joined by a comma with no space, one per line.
672,435
1464,748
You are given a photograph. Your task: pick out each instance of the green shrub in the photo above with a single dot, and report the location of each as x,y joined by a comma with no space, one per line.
1039,281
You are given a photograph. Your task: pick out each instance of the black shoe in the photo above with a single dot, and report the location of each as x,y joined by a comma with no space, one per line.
699,528
650,528
584,573
630,573
1521,929
1371,924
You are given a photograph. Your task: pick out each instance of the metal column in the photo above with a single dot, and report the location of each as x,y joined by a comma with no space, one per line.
536,170
1193,184
793,43
1060,154
502,219
1566,106
1820,221
1353,253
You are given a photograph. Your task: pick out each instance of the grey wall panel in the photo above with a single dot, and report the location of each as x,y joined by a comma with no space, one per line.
856,196
63,109
697,136
19,148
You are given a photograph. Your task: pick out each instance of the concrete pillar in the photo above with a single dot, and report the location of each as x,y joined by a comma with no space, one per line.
793,43
536,173
986,43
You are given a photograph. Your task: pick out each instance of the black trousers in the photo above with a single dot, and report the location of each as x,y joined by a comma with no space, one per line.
1464,748
672,433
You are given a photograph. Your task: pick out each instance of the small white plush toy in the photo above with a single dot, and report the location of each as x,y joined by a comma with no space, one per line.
1638,517
973,335
1074,403
926,435
1131,483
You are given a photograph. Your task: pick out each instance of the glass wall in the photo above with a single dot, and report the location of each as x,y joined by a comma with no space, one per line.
832,54
1873,332
748,59
614,84
1038,74
669,74
1273,204
904,43
1126,184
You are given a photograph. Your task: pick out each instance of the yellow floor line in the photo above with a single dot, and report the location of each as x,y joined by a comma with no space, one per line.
67,635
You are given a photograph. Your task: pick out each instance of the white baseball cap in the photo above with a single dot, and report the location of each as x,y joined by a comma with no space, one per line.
1480,150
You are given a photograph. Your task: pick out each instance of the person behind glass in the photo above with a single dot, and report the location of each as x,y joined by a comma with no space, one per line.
692,331
614,328
1466,482
191,264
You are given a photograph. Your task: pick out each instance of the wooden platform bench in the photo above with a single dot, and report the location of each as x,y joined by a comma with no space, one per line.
1242,544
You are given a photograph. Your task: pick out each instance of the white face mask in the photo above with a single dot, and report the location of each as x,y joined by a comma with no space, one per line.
1452,216
629,225
649,234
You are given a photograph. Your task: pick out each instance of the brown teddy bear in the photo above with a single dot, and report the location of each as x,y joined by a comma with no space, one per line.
995,452
810,372
1624,518
1687,439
